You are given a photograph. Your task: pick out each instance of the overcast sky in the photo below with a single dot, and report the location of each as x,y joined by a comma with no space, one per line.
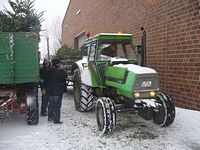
54,12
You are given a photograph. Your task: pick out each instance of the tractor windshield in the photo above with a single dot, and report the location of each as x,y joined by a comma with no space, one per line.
118,50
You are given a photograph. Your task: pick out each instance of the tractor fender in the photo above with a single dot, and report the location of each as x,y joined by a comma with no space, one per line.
82,65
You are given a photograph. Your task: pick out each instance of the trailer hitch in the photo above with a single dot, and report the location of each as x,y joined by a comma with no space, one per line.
7,107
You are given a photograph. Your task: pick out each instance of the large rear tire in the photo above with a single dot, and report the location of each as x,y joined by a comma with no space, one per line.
83,94
165,114
32,106
106,115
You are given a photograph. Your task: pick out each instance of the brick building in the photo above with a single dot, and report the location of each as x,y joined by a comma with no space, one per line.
173,37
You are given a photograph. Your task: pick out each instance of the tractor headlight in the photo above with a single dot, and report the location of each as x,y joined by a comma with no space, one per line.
152,93
136,94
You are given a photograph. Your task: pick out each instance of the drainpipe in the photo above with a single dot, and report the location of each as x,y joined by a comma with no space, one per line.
143,43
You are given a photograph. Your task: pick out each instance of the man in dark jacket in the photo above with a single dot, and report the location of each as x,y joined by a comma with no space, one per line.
43,86
55,85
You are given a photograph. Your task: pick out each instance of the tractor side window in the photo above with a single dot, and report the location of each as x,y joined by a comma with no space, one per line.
92,52
120,51
84,50
104,52
129,51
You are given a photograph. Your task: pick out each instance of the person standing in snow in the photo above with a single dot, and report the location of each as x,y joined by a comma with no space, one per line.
43,86
55,86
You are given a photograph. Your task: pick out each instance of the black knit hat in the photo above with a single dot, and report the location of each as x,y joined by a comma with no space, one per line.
55,62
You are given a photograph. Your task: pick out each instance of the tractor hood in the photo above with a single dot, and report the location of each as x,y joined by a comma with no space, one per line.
119,73
136,69
127,78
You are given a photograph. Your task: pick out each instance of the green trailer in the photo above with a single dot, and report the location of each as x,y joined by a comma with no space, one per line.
19,74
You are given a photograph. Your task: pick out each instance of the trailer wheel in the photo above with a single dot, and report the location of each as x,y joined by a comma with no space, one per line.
165,114
83,94
106,115
32,106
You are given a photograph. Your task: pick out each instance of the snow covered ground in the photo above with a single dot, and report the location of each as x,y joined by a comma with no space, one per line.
79,132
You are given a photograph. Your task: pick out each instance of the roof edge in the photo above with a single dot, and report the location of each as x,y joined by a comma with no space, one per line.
116,34
66,11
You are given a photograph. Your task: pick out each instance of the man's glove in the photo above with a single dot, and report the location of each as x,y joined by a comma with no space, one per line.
43,91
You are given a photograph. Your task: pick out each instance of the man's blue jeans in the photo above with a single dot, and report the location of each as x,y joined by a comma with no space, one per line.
54,108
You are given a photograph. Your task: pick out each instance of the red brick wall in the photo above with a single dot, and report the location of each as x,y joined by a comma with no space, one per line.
173,37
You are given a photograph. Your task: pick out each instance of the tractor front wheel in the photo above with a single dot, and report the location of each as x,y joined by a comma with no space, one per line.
165,114
106,115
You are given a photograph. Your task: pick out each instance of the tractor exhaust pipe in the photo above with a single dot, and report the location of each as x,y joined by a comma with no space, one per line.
143,47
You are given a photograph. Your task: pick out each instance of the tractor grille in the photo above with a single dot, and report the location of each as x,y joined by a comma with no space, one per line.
146,82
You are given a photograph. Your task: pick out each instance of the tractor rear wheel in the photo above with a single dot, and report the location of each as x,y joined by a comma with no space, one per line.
165,114
83,94
32,106
106,115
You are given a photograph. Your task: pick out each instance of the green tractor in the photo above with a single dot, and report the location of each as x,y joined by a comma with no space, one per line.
110,74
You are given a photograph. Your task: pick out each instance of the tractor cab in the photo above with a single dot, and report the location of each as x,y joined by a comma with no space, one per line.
108,49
